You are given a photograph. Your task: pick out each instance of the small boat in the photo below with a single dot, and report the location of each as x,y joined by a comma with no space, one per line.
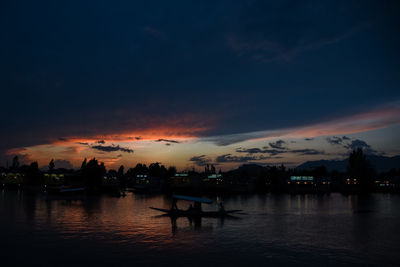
63,190
64,193
194,210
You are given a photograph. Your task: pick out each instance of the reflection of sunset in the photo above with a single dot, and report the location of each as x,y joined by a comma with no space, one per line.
103,230
119,220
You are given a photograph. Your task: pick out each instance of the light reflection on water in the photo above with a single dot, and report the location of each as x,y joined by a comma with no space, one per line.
276,229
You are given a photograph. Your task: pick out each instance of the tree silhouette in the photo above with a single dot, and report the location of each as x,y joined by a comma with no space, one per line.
156,170
33,176
320,171
121,177
359,168
93,173
84,162
15,163
141,168
213,169
120,171
171,171
51,165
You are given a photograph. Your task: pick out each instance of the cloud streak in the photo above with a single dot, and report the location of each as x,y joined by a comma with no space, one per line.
278,144
238,159
274,152
112,148
357,143
365,121
167,141
267,50
201,160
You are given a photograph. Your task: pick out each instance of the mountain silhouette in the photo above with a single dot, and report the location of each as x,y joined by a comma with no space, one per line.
380,163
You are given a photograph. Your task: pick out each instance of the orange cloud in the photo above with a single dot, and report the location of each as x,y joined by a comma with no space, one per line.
76,148
185,127
362,122
186,131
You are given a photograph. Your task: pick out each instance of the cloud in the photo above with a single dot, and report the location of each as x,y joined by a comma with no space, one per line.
103,126
361,122
334,140
263,49
278,144
264,150
232,158
352,145
307,151
241,159
112,148
250,150
225,140
200,160
82,143
365,121
168,141
228,86
274,152
357,143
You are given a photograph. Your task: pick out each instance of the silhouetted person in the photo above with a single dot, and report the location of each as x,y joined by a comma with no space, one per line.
174,206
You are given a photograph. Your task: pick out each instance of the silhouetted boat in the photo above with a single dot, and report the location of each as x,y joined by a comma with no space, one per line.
194,211
64,192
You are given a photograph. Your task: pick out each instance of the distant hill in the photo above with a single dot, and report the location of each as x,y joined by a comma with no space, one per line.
249,169
381,163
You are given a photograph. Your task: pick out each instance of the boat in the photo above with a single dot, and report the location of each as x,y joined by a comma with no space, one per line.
194,210
64,192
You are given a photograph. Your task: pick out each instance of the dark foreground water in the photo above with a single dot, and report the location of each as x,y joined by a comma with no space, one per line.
287,230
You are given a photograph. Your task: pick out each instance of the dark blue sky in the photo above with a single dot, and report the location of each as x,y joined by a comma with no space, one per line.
85,68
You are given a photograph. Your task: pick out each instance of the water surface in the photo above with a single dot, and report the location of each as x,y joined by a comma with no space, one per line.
289,230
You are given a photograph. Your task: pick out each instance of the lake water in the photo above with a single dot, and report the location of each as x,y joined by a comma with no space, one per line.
287,230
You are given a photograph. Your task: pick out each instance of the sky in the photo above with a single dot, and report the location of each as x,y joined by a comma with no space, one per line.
192,83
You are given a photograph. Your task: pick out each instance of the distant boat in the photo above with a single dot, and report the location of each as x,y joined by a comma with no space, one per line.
72,190
64,192
194,210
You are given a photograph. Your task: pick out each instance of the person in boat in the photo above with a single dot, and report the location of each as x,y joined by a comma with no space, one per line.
197,206
174,206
